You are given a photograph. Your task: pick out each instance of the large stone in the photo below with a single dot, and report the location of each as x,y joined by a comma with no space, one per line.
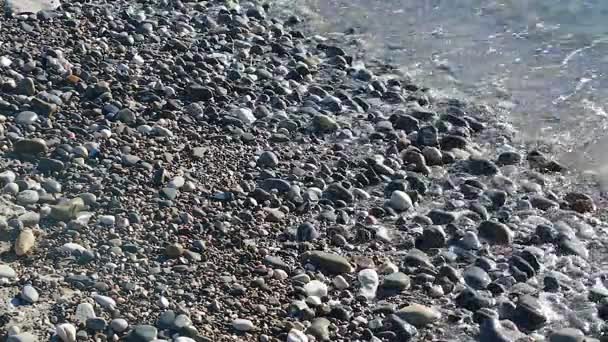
329,262
419,315
396,281
529,314
495,233
31,146
7,272
30,6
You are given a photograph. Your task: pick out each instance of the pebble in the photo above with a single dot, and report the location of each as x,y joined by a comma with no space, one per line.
340,283
241,324
396,281
495,233
7,272
105,302
329,262
29,294
419,315
315,288
26,118
567,335
84,311
144,333
119,325
319,329
295,335
23,337
477,278
66,332
400,201
27,197
25,242
368,281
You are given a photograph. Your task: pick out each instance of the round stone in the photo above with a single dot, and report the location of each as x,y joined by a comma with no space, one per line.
26,118
29,294
400,201
119,325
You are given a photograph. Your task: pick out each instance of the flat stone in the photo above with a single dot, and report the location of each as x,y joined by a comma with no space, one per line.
567,335
96,324
7,272
419,315
329,262
241,324
31,146
84,311
143,333
22,337
30,6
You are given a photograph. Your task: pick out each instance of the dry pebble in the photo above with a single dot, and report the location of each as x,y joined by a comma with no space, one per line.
211,171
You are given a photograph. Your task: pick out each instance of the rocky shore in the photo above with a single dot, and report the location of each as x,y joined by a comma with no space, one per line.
203,171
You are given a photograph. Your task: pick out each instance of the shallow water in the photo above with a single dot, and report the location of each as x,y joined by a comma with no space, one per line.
544,60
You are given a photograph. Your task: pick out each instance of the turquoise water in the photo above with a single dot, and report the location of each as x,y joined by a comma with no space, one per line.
545,61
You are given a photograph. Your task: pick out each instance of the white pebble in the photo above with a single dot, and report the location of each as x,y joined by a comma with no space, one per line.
66,332
245,115
280,274
296,335
5,61
163,302
369,281
177,182
316,288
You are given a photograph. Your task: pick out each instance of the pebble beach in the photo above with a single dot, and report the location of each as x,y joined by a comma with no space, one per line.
208,171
